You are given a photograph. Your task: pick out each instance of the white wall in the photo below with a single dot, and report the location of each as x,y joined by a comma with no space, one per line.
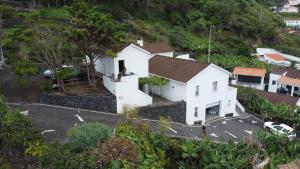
105,66
128,94
173,90
136,61
207,96
273,88
274,62
292,22
168,54
109,84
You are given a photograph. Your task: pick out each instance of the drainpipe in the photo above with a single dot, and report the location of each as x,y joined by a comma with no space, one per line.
293,89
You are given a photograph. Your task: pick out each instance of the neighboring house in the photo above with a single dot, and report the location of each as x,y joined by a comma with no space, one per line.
292,22
264,51
204,87
249,77
274,59
289,9
286,81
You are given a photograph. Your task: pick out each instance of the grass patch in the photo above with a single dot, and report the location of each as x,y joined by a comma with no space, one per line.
54,13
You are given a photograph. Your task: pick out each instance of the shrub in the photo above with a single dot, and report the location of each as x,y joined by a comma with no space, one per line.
115,148
47,86
87,135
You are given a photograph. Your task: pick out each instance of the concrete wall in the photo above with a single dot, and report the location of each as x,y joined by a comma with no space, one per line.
98,103
168,54
273,87
105,66
173,90
128,94
136,61
174,111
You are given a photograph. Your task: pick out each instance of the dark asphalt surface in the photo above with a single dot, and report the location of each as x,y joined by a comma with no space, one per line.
62,119
235,129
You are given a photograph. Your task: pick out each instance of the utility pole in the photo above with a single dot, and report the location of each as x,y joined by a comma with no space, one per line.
209,44
1,58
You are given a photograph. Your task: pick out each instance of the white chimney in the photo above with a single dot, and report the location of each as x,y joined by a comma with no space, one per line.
140,41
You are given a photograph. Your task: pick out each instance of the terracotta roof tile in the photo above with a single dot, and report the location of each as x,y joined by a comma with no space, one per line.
176,69
249,71
157,47
289,81
278,98
276,57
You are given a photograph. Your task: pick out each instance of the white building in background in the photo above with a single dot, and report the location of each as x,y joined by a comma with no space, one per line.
291,7
249,77
204,87
291,22
286,81
274,59
284,58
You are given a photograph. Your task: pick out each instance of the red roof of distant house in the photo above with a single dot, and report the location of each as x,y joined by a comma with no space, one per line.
181,70
250,71
276,57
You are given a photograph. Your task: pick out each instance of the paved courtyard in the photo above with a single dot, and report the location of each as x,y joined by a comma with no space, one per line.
54,122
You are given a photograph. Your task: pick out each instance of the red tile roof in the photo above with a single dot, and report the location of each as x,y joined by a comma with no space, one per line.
157,47
293,73
276,57
289,81
181,70
249,71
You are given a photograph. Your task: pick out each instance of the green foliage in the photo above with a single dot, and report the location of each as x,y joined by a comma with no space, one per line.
278,112
60,156
54,13
87,135
110,53
230,62
116,148
153,81
47,86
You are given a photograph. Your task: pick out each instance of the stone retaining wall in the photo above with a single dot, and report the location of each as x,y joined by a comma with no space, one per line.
175,111
98,103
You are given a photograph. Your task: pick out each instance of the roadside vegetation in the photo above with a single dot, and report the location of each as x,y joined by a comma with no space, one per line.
269,111
132,145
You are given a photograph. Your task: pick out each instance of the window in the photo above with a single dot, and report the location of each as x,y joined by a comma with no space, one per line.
197,90
196,112
274,82
215,86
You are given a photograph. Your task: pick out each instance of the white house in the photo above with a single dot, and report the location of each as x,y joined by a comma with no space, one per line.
204,87
274,59
289,9
249,77
264,51
286,81
292,22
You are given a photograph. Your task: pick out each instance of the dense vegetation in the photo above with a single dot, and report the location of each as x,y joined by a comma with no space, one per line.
133,145
275,112
95,27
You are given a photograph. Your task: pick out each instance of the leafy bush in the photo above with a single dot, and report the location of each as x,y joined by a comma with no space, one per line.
115,148
276,112
47,86
87,135
60,156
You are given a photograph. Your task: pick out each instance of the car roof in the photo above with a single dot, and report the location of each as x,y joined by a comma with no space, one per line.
286,127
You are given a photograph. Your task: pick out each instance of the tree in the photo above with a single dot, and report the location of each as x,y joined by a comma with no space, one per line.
95,34
54,48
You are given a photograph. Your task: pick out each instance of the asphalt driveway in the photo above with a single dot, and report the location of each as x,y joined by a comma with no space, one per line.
54,121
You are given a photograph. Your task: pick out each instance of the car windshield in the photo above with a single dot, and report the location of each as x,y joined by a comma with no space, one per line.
292,132
285,130
278,127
